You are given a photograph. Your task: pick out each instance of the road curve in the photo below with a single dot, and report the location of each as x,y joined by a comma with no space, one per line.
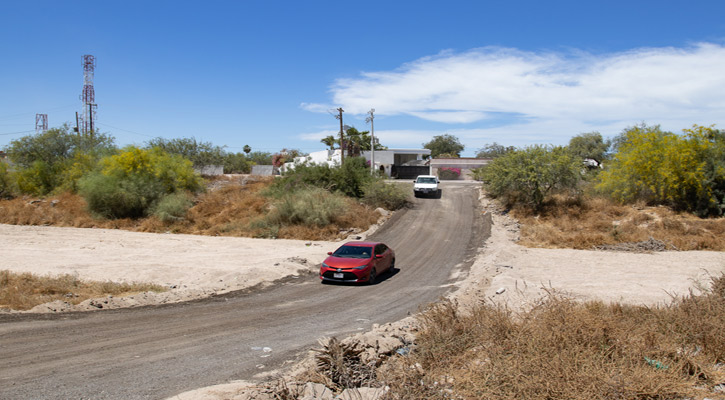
156,352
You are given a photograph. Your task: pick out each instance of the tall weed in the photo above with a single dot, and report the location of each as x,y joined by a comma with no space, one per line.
562,349
386,195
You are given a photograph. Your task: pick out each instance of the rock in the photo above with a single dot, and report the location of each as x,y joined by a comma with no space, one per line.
382,211
500,290
316,391
363,393
387,345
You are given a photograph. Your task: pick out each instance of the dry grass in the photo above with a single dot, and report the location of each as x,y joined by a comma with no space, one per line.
228,210
591,222
24,291
567,350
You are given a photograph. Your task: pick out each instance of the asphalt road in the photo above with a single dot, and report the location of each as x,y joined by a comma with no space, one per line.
156,352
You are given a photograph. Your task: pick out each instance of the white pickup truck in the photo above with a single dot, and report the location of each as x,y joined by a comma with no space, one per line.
426,185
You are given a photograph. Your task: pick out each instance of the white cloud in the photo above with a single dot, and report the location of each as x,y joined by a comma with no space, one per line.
573,92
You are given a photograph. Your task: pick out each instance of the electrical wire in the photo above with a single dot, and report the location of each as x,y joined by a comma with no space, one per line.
15,133
125,130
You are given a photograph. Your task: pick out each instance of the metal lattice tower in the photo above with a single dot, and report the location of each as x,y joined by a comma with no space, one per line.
41,123
88,97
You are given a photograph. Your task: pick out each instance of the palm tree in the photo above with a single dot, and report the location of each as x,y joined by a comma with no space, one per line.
329,141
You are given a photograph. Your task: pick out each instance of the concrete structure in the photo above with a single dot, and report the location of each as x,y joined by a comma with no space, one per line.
210,170
385,160
464,164
264,170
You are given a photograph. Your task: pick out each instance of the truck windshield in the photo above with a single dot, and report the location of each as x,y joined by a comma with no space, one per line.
426,180
353,252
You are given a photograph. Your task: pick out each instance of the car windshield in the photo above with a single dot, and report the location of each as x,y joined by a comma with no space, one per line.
353,252
426,180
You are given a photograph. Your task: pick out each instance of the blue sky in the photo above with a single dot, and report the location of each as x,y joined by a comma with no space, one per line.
267,73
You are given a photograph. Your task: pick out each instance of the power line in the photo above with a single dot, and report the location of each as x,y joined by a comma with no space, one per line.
15,133
125,130
15,116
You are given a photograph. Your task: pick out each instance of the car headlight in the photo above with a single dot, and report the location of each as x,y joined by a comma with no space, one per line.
325,266
361,267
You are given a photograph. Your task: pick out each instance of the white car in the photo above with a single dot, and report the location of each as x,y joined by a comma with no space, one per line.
426,185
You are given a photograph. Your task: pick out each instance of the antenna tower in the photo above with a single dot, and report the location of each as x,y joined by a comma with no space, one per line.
88,97
41,123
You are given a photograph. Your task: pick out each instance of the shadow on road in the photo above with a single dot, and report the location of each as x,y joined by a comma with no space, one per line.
381,278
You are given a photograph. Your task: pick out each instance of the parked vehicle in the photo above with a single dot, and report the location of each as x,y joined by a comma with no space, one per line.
357,262
426,185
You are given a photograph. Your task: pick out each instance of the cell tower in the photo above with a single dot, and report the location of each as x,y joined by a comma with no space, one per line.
88,97
41,123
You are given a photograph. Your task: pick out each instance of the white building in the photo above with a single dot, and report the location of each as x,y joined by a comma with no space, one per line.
401,163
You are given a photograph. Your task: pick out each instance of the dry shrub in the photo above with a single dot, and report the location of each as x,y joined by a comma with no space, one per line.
562,349
63,210
23,291
230,208
342,365
590,222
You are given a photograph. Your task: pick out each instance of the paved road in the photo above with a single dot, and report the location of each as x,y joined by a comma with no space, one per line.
156,352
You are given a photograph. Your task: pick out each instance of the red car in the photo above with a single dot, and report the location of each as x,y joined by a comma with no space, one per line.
357,262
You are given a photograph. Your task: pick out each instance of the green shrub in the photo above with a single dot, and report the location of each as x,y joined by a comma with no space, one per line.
6,181
237,163
173,207
386,195
527,176
312,206
349,179
686,172
56,159
39,179
130,184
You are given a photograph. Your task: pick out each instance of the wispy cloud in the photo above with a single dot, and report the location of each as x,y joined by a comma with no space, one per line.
573,91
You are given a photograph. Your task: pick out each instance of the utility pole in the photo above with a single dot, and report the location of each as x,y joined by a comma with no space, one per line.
342,138
370,119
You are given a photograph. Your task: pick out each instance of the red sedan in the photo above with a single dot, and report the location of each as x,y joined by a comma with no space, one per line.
357,262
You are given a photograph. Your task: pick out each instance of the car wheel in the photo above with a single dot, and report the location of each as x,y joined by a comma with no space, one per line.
373,277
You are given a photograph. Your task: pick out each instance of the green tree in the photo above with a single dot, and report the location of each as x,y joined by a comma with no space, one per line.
247,149
330,142
589,146
355,140
444,144
199,153
260,158
55,159
6,181
683,171
131,183
56,145
529,175
494,150
237,163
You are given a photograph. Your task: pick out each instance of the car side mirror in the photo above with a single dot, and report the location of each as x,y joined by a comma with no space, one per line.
329,253
378,256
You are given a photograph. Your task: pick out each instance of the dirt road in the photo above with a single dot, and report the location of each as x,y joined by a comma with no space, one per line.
156,352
